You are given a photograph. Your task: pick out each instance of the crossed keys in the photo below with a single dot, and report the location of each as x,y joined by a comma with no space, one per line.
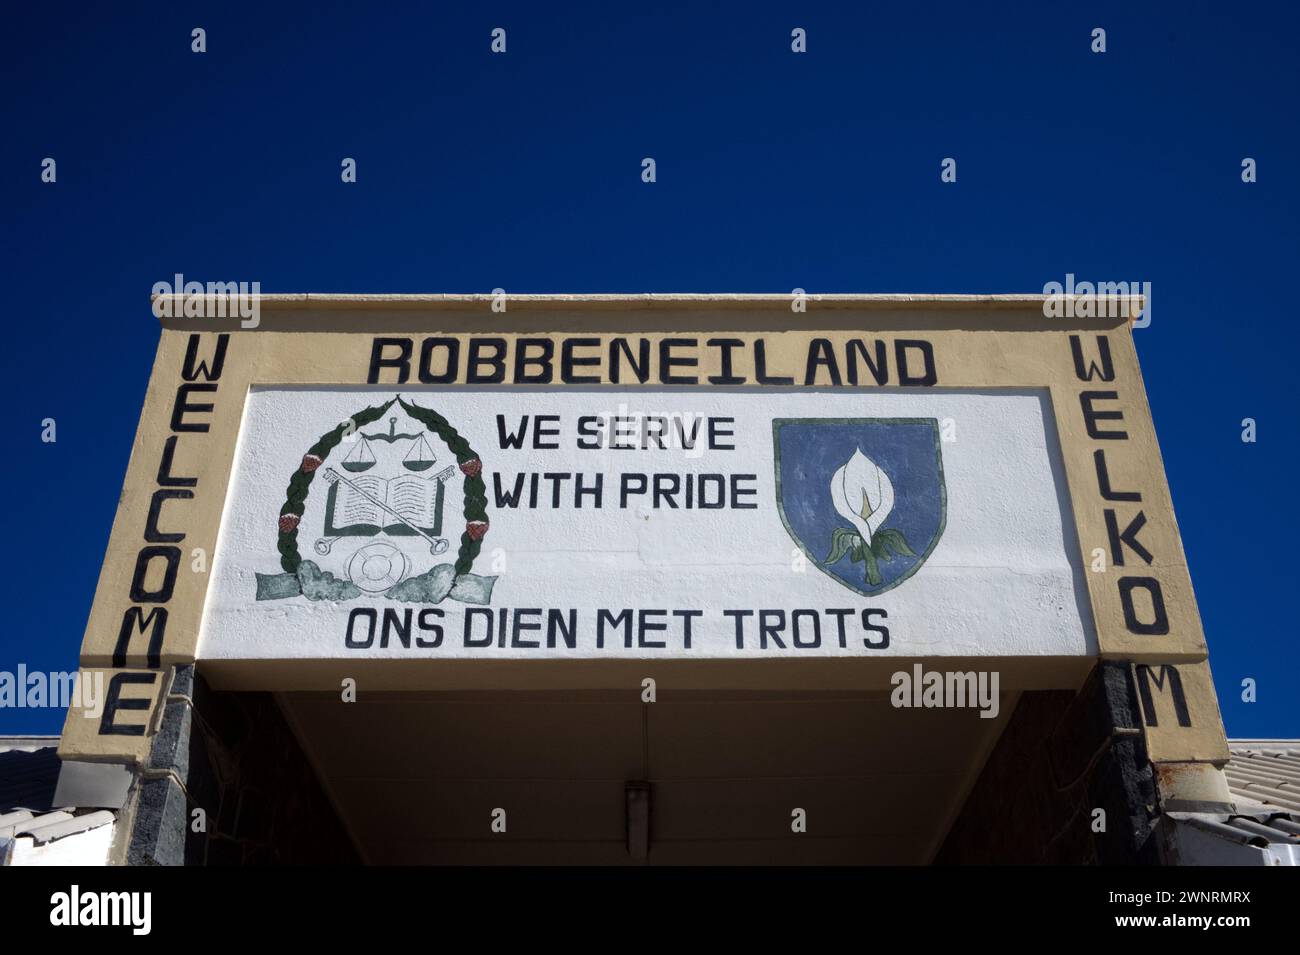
437,545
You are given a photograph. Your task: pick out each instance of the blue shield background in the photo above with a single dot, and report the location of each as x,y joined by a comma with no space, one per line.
808,452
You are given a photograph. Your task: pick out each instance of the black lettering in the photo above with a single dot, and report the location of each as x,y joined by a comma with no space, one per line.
928,376
821,355
1146,676
739,616
472,614
448,373
495,360
182,405
715,483
165,476
568,362
596,492
645,624
504,497
687,442
371,618
1105,371
760,366
542,361
1160,622
631,484
113,703
508,440
1091,415
540,432
152,534
1103,481
667,362
653,429
134,621
557,479
521,624
666,488
172,556
686,616
556,624
839,616
727,346
589,433
770,623
737,492
796,633
878,366
640,362
624,620
875,628
191,371
1128,536
428,620
400,625
716,430
378,362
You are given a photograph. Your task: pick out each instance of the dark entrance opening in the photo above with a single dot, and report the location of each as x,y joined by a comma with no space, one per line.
593,777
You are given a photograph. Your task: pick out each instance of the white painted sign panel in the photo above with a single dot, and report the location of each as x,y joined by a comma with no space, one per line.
520,524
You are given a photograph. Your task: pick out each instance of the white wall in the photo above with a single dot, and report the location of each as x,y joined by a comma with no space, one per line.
1003,579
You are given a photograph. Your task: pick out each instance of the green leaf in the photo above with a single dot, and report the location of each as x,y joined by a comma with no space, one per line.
895,541
841,541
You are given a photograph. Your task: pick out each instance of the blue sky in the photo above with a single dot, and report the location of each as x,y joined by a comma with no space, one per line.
775,170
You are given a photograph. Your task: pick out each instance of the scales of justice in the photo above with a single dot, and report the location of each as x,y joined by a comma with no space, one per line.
366,505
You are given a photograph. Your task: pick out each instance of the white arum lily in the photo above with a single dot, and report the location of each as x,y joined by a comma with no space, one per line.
862,494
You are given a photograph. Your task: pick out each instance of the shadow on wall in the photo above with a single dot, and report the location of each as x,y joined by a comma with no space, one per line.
1058,761
250,795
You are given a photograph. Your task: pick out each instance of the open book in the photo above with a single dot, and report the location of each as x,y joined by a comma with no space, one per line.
348,512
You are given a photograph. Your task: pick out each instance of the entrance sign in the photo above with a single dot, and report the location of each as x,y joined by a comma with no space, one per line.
709,544
427,493
638,523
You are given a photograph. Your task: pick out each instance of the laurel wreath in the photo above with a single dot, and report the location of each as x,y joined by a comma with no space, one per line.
475,491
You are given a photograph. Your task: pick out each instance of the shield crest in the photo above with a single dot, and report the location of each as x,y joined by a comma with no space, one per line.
864,498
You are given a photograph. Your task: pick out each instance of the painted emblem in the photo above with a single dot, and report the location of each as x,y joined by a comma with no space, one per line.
864,498
378,513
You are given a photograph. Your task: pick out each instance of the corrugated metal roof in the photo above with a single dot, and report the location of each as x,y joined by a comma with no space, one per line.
56,825
1254,829
29,771
1257,830
1265,773
1264,778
